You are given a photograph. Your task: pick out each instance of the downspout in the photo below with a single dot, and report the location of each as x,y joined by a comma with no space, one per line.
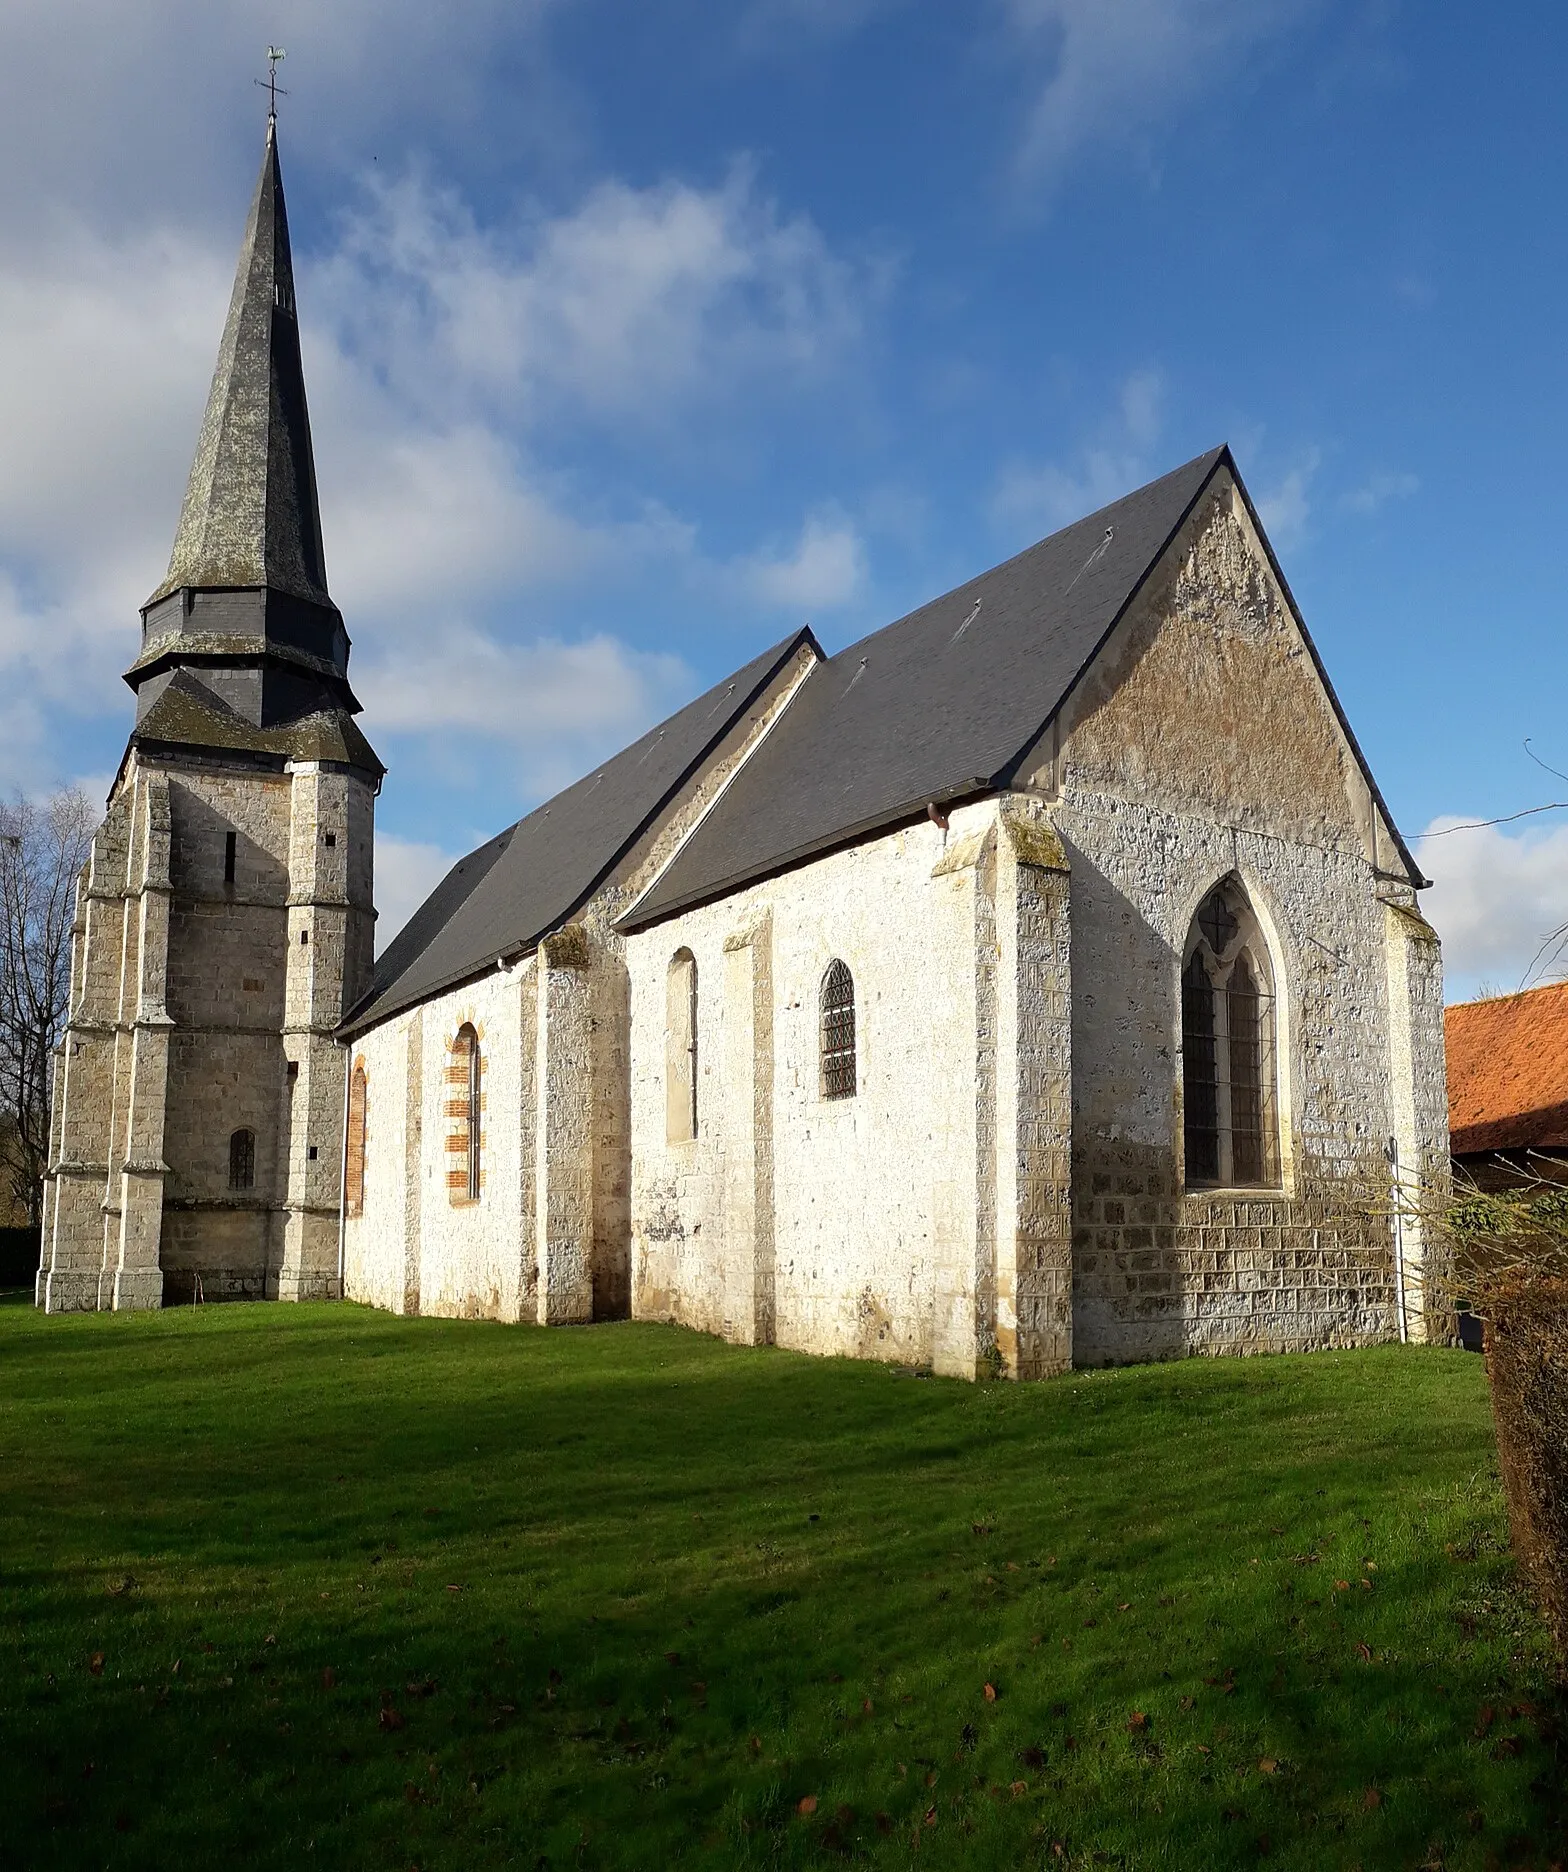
348,1075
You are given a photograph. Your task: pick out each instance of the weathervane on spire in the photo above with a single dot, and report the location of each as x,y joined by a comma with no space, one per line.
270,82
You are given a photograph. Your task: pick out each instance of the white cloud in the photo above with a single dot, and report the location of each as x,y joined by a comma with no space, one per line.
637,302
442,378
1497,897
1031,499
1284,509
1115,68
825,568
1378,490
82,83
407,871
467,680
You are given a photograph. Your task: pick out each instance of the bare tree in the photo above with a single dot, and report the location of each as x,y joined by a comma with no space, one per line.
43,847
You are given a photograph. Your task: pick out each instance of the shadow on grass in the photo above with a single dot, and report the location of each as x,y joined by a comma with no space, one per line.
456,1594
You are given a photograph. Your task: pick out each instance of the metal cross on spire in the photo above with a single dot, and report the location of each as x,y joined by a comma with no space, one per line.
270,82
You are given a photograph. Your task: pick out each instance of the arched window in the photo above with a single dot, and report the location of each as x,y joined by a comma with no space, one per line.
838,1032
464,1110
242,1160
1227,1031
680,1048
354,1156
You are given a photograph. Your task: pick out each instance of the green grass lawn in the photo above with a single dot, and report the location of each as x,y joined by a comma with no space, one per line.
312,1585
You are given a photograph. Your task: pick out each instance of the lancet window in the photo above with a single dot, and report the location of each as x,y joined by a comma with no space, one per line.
242,1160
465,1110
354,1180
1228,1047
839,1075
680,1048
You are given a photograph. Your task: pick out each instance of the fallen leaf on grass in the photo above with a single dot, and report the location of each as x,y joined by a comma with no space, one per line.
672,1657
1484,1719
1342,1585
930,1816
1137,1722
807,1804
1020,1788
1187,1703
755,1745
1268,1765
329,1678
990,1693
454,1589
95,1664
1507,1746
128,1584
865,1707
1372,1798
1364,1652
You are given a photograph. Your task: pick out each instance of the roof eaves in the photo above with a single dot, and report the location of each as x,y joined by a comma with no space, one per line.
888,820
385,1007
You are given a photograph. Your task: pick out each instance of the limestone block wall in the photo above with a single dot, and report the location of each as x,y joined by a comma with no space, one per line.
227,981
375,1248
550,1237
871,1221
224,920
1203,745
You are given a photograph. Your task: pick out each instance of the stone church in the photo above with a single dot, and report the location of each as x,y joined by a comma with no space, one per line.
1038,982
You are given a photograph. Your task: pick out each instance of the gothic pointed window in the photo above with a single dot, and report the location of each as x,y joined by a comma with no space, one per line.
839,1076
680,1048
1228,1048
242,1160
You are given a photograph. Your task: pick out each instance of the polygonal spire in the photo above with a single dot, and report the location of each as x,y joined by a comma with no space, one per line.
250,516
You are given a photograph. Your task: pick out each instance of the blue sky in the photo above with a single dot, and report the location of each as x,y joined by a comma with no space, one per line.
637,335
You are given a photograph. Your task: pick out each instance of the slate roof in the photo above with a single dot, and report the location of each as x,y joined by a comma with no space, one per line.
946,702
1508,1072
250,515
533,877
188,715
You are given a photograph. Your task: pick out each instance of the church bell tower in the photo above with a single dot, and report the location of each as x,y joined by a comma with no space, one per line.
224,921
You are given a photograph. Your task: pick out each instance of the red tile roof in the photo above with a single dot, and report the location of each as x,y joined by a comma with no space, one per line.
1508,1072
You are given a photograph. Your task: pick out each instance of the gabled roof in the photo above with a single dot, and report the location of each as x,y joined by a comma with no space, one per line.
250,516
946,702
502,898
1508,1072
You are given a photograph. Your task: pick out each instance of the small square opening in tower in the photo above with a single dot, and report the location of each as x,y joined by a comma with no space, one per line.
331,840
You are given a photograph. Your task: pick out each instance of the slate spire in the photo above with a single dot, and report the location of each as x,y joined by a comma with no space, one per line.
243,651
250,516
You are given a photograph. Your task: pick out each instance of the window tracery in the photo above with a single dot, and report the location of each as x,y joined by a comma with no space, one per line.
1228,1047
